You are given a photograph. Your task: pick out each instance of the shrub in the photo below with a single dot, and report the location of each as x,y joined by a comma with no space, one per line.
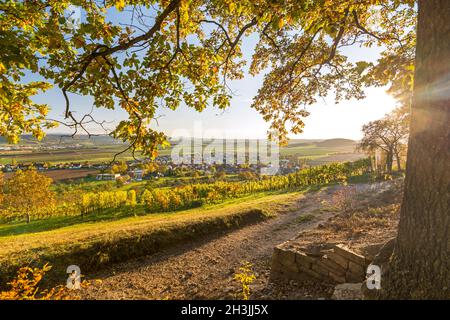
245,276
26,286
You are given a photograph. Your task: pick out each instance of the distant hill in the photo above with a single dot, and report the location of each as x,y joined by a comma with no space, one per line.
333,143
302,142
58,139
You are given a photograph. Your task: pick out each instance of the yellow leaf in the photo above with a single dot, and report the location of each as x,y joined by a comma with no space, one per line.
120,4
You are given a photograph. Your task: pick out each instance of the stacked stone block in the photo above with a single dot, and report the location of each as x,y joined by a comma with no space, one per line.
334,264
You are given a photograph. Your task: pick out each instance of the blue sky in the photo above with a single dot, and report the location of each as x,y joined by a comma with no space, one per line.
327,120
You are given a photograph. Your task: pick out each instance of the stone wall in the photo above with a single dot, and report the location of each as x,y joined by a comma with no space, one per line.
332,263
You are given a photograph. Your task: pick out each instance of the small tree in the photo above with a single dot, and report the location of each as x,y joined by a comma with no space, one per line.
150,167
121,167
248,175
27,192
388,134
220,175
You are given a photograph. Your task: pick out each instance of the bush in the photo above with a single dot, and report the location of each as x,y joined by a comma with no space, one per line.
26,286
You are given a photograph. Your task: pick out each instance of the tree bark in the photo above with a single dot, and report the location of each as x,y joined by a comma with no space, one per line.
419,267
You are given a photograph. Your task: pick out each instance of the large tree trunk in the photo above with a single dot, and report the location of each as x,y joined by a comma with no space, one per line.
419,267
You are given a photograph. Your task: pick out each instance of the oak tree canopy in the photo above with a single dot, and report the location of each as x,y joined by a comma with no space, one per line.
163,53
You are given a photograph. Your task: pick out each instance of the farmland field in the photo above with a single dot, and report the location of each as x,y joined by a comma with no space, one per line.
315,152
64,174
93,154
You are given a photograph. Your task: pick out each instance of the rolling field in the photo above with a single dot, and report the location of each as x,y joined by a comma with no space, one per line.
93,154
315,151
64,174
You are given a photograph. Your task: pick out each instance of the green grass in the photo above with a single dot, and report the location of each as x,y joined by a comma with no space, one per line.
17,228
53,223
94,244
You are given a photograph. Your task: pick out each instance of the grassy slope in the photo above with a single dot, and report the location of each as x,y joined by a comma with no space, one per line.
93,244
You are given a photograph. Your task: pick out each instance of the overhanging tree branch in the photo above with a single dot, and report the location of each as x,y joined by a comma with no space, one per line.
173,5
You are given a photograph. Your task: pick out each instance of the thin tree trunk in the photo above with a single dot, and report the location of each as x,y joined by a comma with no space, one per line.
389,161
399,164
420,264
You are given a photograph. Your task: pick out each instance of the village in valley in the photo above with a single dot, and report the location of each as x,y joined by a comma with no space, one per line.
138,169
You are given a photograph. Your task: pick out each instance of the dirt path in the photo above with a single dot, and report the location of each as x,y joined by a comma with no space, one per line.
204,269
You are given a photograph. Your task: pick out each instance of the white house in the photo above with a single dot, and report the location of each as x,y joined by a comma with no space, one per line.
107,176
